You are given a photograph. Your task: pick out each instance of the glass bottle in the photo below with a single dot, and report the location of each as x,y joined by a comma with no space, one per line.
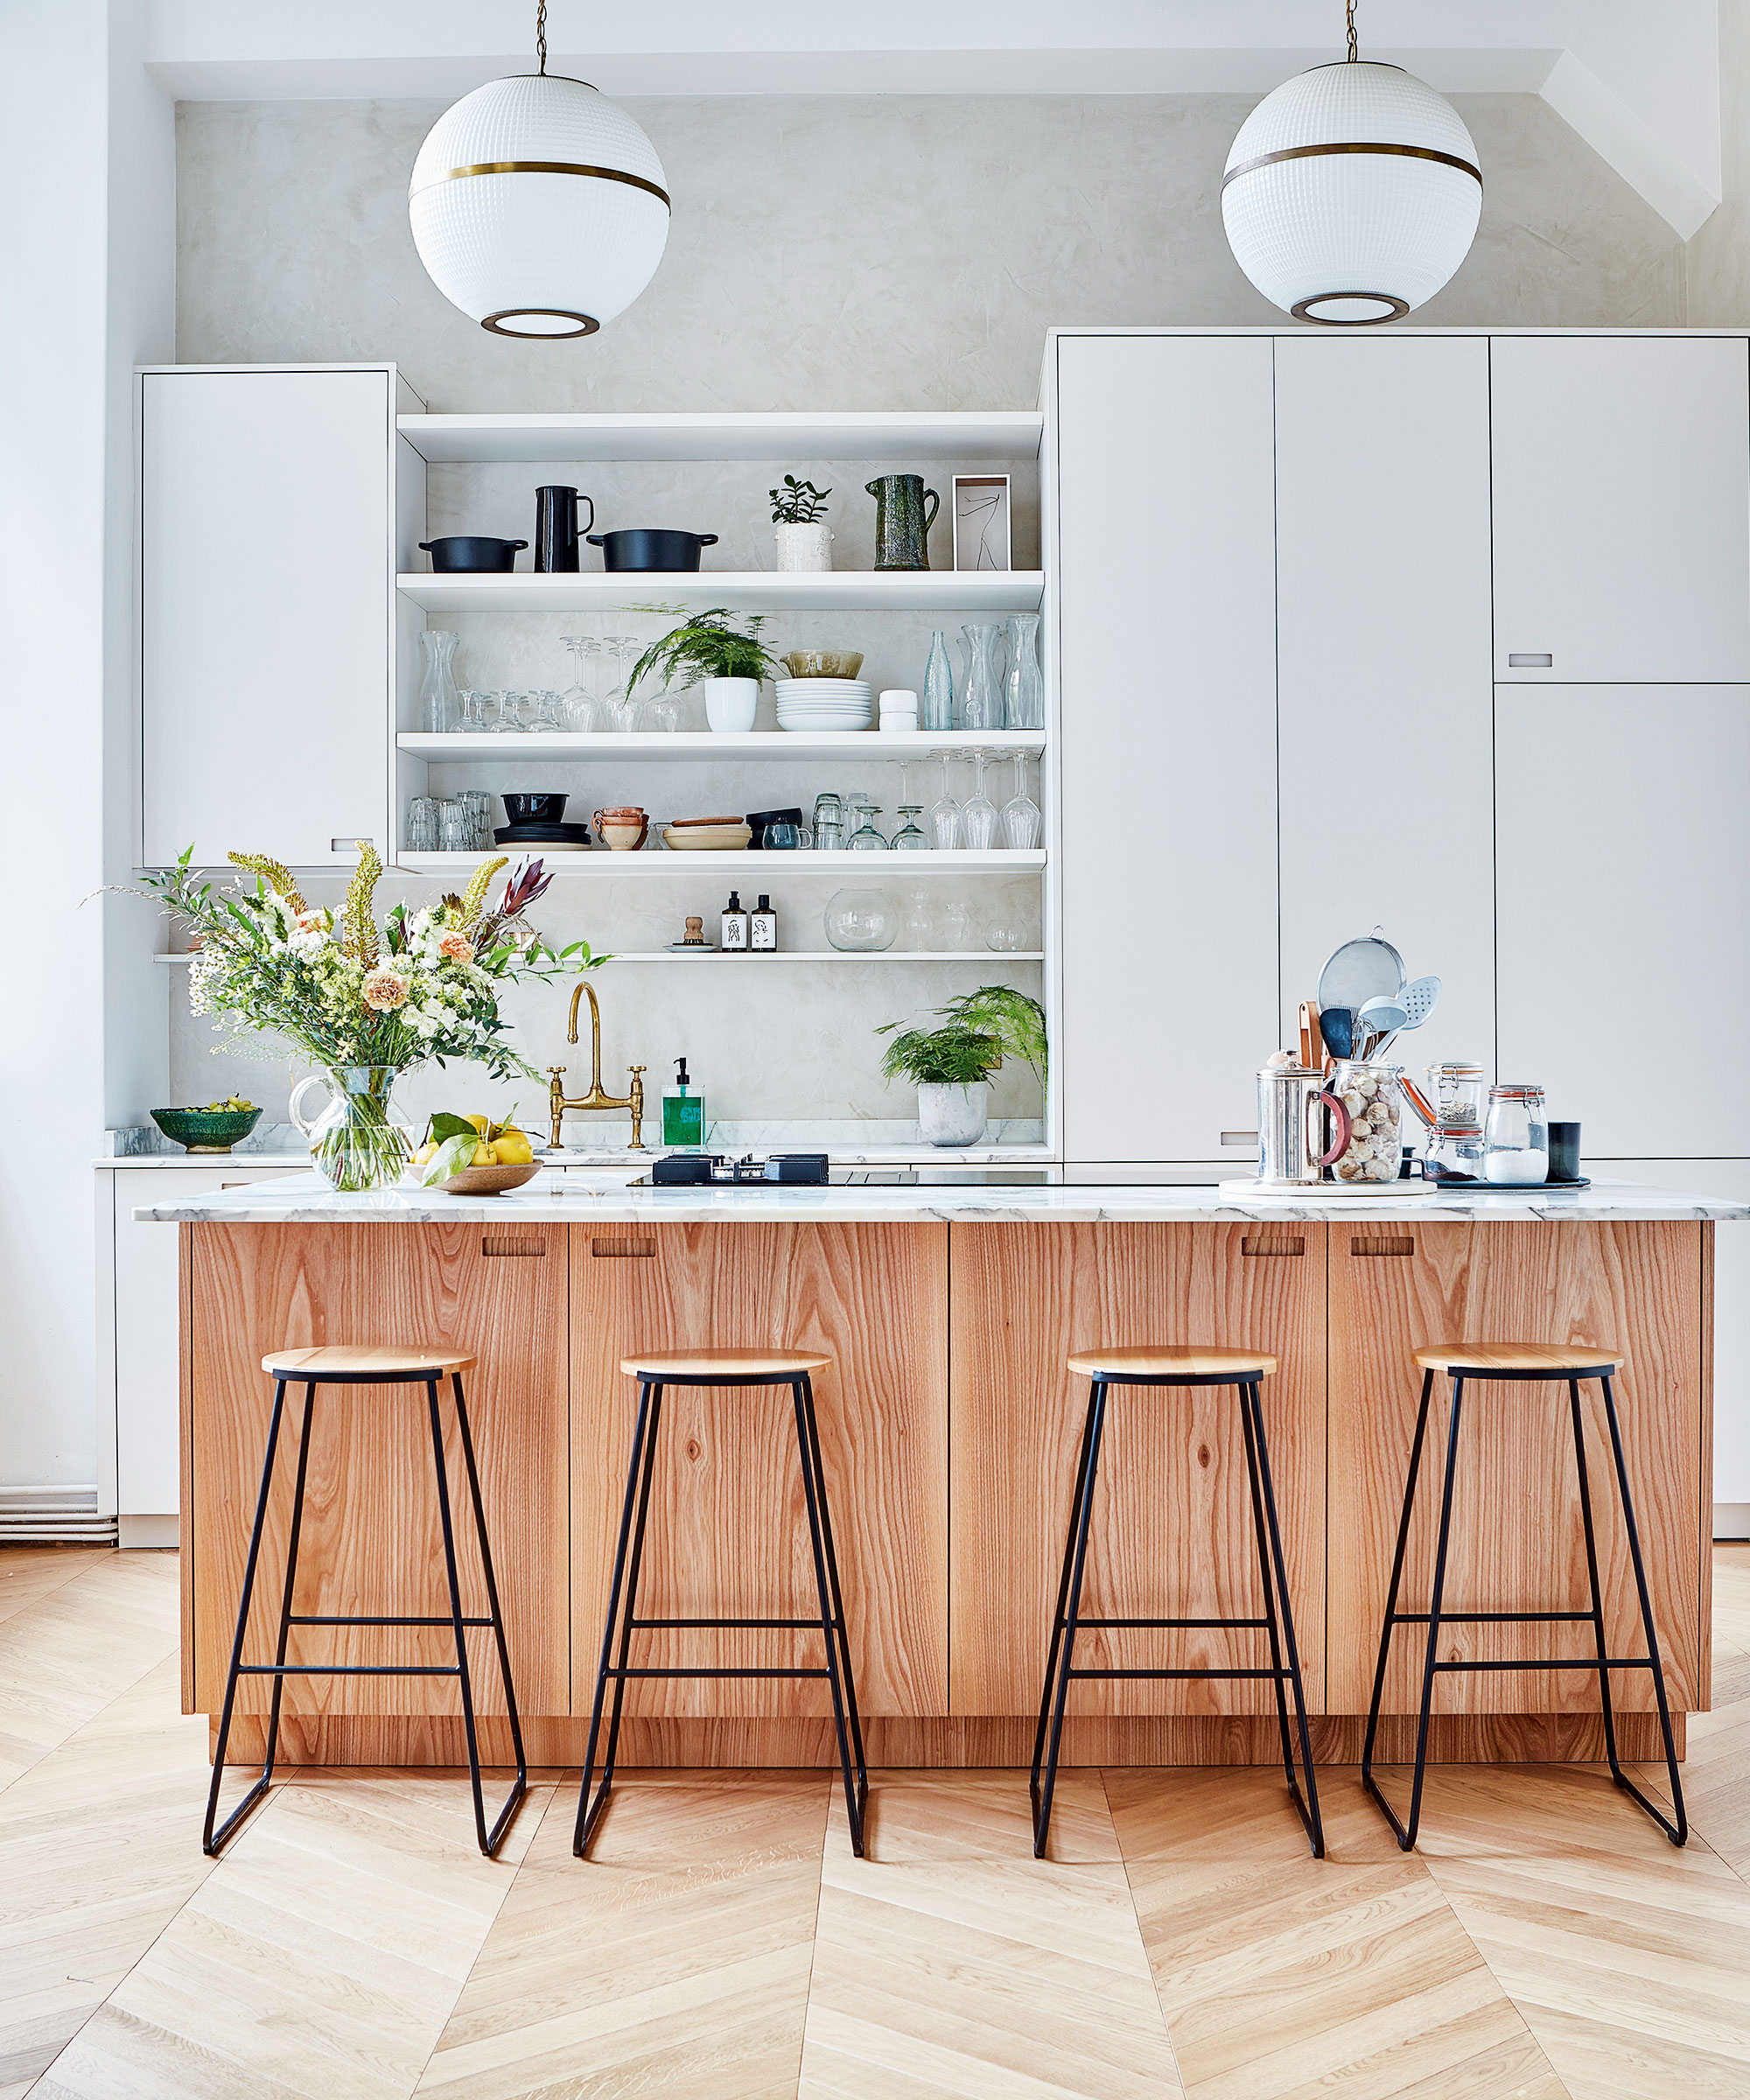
981,695
1023,682
1515,1146
1021,815
936,711
440,704
978,812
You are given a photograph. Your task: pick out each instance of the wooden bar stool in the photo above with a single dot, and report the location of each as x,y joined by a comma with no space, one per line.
314,1368
1533,1363
1242,1369
791,1367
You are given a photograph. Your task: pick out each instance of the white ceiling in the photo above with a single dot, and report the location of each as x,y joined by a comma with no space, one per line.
1638,79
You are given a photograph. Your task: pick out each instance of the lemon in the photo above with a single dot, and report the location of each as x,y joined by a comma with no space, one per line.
427,1151
482,1124
514,1150
485,1156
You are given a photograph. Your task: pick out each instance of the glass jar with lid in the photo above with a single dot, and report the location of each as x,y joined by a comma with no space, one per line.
1453,1152
1457,1091
1516,1138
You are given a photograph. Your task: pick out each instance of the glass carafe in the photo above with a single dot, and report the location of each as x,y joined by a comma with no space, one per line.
981,694
440,703
936,713
357,1143
1023,682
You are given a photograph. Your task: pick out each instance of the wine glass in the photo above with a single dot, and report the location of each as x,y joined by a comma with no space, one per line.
866,839
978,812
1021,816
581,711
909,838
944,812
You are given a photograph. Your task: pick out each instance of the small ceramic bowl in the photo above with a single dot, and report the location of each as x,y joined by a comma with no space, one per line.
487,1180
822,663
206,1130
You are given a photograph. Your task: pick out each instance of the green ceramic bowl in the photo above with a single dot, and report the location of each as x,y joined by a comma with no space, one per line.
206,1130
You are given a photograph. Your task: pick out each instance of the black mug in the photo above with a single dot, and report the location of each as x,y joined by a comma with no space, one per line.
556,531
1564,1152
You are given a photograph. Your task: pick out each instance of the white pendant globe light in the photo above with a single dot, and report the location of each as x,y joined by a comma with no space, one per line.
1352,193
538,205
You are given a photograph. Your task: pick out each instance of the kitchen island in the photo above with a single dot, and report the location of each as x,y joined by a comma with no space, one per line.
950,1428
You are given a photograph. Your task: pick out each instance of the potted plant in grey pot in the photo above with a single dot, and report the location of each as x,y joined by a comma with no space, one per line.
711,650
951,1066
804,543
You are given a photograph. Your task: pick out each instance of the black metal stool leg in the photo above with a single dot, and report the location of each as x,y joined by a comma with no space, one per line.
489,1840
211,1841
1595,1587
851,1714
1069,1531
1308,1806
493,1606
1677,1831
1390,1620
1096,1402
856,1795
1268,1589
637,1498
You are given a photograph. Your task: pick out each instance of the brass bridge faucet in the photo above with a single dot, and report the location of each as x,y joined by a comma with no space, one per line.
595,1098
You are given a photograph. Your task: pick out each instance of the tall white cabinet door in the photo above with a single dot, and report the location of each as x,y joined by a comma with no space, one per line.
1167,685
1383,638
1621,509
266,587
1623,911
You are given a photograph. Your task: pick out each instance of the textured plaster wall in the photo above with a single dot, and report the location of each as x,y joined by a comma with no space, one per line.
887,253
840,252
1718,260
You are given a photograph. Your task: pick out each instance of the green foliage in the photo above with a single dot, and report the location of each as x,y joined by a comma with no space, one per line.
707,645
954,1056
797,502
983,1027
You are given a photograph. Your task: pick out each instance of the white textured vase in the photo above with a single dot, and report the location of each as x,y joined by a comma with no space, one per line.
953,1115
805,549
731,703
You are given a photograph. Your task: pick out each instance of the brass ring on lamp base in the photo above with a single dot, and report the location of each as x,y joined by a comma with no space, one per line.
1302,309
587,325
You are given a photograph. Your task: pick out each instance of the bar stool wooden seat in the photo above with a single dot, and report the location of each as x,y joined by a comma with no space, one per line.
713,1367
1242,1369
374,1366
1532,1363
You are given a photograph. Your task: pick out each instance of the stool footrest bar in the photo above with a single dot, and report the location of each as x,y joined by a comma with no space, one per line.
716,1673
348,1670
803,1626
1494,1617
1083,1625
1282,1674
1591,1662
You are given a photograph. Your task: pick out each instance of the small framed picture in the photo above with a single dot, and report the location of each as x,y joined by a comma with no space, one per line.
981,521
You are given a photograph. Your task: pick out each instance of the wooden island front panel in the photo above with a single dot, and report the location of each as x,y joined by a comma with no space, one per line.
950,1428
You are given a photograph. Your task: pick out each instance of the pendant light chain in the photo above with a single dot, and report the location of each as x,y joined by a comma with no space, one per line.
541,33
1354,47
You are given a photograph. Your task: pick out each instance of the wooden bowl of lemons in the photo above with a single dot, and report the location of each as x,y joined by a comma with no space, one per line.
473,1156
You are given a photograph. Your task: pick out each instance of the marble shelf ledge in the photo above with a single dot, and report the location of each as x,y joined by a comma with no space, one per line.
580,1198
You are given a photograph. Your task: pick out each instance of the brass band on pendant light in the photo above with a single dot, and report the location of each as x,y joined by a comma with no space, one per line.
537,200
1352,173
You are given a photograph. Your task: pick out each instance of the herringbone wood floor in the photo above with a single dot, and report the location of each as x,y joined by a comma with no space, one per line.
1546,1940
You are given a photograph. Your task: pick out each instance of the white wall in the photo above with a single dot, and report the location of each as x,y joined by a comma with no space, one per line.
69,73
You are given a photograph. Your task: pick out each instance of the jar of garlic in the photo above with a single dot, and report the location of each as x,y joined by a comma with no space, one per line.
1369,1093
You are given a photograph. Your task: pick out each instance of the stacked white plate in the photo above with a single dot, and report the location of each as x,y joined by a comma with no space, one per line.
823,703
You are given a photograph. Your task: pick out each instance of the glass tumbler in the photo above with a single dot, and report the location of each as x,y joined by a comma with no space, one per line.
422,824
455,828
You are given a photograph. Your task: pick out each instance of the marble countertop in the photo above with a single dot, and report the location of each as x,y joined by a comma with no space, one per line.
579,1197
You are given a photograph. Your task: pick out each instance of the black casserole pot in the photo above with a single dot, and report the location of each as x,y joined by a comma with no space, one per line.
474,553
647,550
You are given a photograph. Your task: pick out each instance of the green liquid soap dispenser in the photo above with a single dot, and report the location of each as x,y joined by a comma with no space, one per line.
683,1112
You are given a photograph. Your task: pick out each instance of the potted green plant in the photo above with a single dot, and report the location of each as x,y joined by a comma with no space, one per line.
951,1066
804,543
710,649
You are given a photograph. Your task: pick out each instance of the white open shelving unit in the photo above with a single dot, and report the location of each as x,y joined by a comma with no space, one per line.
765,744
805,434
749,590
598,866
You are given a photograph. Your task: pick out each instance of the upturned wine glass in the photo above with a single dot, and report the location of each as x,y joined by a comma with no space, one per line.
581,711
944,820
978,812
1022,818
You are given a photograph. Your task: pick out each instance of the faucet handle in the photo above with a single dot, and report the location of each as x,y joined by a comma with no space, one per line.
554,1071
637,1068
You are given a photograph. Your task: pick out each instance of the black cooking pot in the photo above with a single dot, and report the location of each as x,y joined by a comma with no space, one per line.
536,809
647,549
474,553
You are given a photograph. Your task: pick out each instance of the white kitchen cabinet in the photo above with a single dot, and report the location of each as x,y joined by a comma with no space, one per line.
1384,690
141,1342
1623,911
268,558
1621,509
1167,692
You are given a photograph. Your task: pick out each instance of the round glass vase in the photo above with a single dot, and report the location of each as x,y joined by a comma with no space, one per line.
356,1142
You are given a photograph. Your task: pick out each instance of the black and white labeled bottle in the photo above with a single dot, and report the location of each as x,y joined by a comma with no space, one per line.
737,929
763,923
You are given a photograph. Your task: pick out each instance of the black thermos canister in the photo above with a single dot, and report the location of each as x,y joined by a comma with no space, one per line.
556,530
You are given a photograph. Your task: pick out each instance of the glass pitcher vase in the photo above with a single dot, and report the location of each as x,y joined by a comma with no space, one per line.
440,701
356,1142
981,696
1023,681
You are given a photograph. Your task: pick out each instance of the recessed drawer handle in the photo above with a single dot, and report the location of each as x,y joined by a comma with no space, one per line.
1404,1246
1239,1136
488,1245
620,1250
1266,1247
1530,663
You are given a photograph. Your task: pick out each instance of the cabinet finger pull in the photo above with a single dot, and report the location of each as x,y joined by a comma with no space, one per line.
1405,1245
619,1251
1239,1136
1533,662
1267,1247
490,1245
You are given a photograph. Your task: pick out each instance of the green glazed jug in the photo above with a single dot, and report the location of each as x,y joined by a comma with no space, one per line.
902,523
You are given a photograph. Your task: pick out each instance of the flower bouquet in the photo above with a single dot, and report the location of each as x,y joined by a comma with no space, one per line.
366,1001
